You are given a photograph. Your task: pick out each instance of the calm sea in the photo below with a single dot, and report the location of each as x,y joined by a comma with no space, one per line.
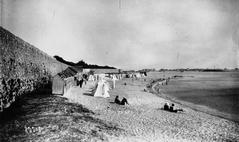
216,93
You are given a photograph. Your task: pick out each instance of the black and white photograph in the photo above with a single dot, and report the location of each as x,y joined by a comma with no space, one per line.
119,70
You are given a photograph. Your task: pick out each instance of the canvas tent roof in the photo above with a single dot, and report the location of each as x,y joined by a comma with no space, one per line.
78,69
70,71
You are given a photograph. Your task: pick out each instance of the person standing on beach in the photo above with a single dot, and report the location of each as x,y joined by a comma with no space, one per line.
85,78
81,82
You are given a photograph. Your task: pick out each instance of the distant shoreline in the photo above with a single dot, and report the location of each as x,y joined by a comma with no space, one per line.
201,108
203,70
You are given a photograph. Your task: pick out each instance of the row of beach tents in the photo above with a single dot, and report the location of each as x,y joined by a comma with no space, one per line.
97,81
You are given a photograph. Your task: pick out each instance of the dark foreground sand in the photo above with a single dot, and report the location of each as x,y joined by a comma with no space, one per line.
42,117
143,119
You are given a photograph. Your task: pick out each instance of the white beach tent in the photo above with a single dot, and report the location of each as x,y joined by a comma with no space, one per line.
114,80
91,78
101,76
142,74
138,75
102,89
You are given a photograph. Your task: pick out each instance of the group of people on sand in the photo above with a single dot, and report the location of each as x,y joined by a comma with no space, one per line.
171,108
124,101
80,80
166,107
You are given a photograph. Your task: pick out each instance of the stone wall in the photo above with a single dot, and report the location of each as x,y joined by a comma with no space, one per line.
23,68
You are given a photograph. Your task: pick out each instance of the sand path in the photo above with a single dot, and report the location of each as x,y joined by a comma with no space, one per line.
143,120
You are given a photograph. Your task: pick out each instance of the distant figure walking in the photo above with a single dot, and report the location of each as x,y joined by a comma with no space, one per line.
81,82
85,78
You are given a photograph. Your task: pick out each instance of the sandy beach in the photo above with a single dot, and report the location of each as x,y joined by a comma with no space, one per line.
79,116
144,120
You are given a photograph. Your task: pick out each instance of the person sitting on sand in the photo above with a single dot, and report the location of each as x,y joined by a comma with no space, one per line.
166,106
117,101
124,101
171,109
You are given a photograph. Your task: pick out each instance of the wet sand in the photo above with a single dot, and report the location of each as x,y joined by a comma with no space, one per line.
144,120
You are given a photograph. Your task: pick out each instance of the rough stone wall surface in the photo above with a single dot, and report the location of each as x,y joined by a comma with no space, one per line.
23,68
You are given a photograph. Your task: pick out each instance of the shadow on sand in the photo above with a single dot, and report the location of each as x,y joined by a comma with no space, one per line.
88,94
40,115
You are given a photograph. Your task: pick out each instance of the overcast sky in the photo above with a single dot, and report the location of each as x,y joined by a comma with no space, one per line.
130,34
